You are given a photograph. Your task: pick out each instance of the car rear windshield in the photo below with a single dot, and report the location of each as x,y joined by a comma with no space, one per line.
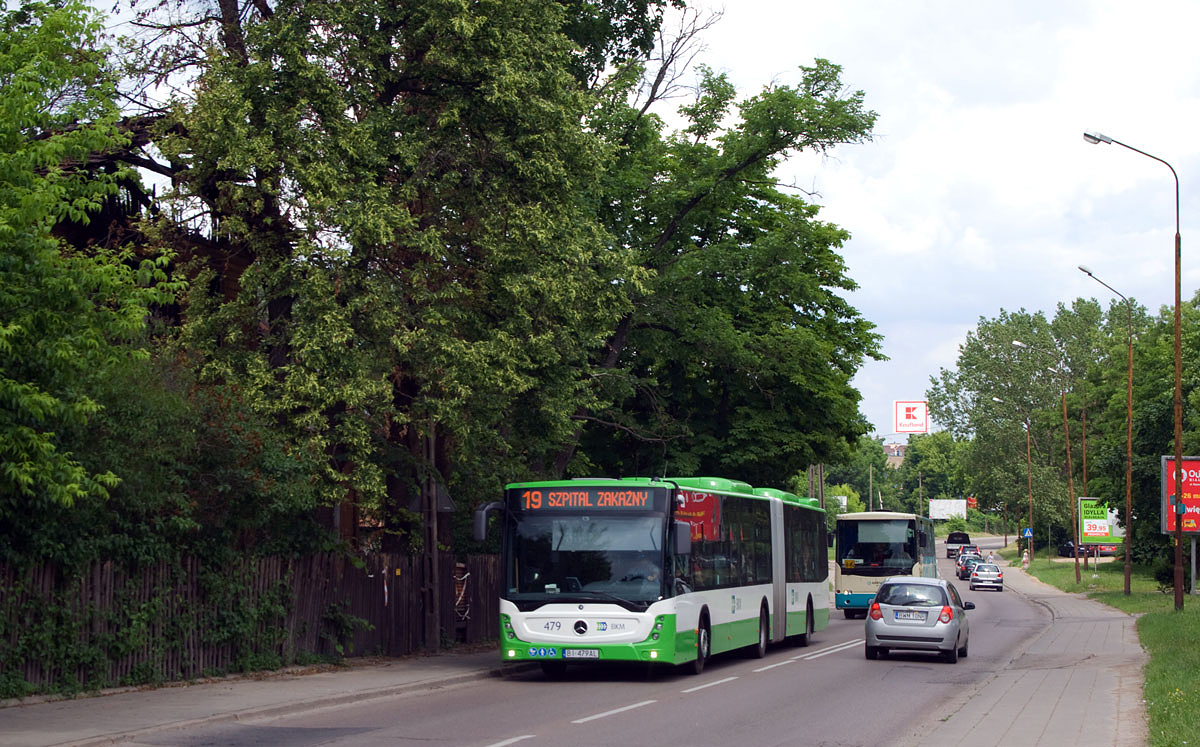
958,538
911,595
985,568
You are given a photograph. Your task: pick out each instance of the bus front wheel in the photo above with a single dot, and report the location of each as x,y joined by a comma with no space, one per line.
703,647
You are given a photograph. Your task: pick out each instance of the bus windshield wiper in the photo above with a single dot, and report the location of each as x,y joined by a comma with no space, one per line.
610,596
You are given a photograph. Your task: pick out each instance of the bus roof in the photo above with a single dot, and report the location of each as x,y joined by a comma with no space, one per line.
877,516
715,484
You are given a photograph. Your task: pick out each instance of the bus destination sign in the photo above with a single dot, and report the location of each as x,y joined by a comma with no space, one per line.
588,498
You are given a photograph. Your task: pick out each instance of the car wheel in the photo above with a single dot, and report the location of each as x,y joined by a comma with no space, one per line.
962,652
950,656
972,587
872,652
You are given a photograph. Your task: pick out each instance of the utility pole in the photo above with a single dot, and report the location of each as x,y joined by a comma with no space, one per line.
433,632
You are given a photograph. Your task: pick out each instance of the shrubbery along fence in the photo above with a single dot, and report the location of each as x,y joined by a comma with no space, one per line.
181,621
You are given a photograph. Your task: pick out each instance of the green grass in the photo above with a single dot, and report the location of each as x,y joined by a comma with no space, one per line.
1172,639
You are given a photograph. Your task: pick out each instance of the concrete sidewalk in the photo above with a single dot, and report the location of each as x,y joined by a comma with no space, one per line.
1078,682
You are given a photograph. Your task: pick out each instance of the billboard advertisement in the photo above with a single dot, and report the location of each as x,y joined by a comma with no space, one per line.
940,508
1098,524
1190,495
911,416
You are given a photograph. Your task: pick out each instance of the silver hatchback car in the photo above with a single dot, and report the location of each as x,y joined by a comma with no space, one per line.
987,576
919,614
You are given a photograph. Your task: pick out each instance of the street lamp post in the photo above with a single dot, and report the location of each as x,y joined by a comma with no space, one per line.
1070,468
1095,138
1128,433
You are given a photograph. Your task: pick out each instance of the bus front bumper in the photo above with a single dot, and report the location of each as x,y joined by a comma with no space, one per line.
849,601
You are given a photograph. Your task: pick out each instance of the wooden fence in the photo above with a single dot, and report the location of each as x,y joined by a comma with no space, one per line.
105,627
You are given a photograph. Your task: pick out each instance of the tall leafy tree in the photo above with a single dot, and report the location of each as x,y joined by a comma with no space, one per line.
65,317
736,353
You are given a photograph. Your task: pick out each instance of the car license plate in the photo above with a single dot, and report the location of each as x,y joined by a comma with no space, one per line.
910,615
581,653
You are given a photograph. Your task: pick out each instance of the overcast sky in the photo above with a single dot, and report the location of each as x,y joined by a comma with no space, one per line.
978,192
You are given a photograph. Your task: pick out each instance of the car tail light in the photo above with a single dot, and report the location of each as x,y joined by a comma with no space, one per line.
875,612
947,615
1000,574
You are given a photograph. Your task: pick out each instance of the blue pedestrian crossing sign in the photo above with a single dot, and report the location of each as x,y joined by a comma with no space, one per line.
1028,532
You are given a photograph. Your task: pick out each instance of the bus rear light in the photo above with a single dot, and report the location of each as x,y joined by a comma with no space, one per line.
875,613
947,615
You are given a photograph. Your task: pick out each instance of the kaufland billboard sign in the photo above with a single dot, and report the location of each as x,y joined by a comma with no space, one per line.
912,417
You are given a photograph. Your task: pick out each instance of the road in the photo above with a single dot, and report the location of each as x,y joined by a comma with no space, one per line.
824,694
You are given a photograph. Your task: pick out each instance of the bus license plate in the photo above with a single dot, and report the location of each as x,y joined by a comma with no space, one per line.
581,653
910,615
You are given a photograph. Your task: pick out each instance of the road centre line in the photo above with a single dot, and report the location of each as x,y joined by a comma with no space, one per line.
514,740
613,712
834,647
832,650
710,684
772,666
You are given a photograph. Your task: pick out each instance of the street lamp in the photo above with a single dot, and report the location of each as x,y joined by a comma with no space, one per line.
1095,138
1070,469
1029,474
1128,433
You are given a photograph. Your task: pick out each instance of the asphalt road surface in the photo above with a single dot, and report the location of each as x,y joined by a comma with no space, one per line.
823,694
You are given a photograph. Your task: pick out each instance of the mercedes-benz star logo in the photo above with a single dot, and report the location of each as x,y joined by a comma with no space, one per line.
580,627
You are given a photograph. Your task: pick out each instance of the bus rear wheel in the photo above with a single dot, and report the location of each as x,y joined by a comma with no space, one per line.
803,639
760,647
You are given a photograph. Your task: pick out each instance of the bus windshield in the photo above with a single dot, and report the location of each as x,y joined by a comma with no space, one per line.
876,548
571,557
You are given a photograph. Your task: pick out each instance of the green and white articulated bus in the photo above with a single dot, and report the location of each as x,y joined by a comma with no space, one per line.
657,570
872,545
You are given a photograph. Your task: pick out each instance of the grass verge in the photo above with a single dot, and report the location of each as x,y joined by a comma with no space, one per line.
1171,638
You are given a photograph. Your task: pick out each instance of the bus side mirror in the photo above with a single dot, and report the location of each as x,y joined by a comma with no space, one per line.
683,538
922,538
481,519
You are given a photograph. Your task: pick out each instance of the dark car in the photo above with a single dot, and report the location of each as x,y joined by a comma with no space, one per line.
954,541
1067,550
964,570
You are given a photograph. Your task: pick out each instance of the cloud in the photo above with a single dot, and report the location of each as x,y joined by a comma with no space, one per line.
978,193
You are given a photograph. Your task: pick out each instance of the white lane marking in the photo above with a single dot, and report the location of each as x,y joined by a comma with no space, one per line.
710,684
514,740
613,712
774,665
834,647
834,650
